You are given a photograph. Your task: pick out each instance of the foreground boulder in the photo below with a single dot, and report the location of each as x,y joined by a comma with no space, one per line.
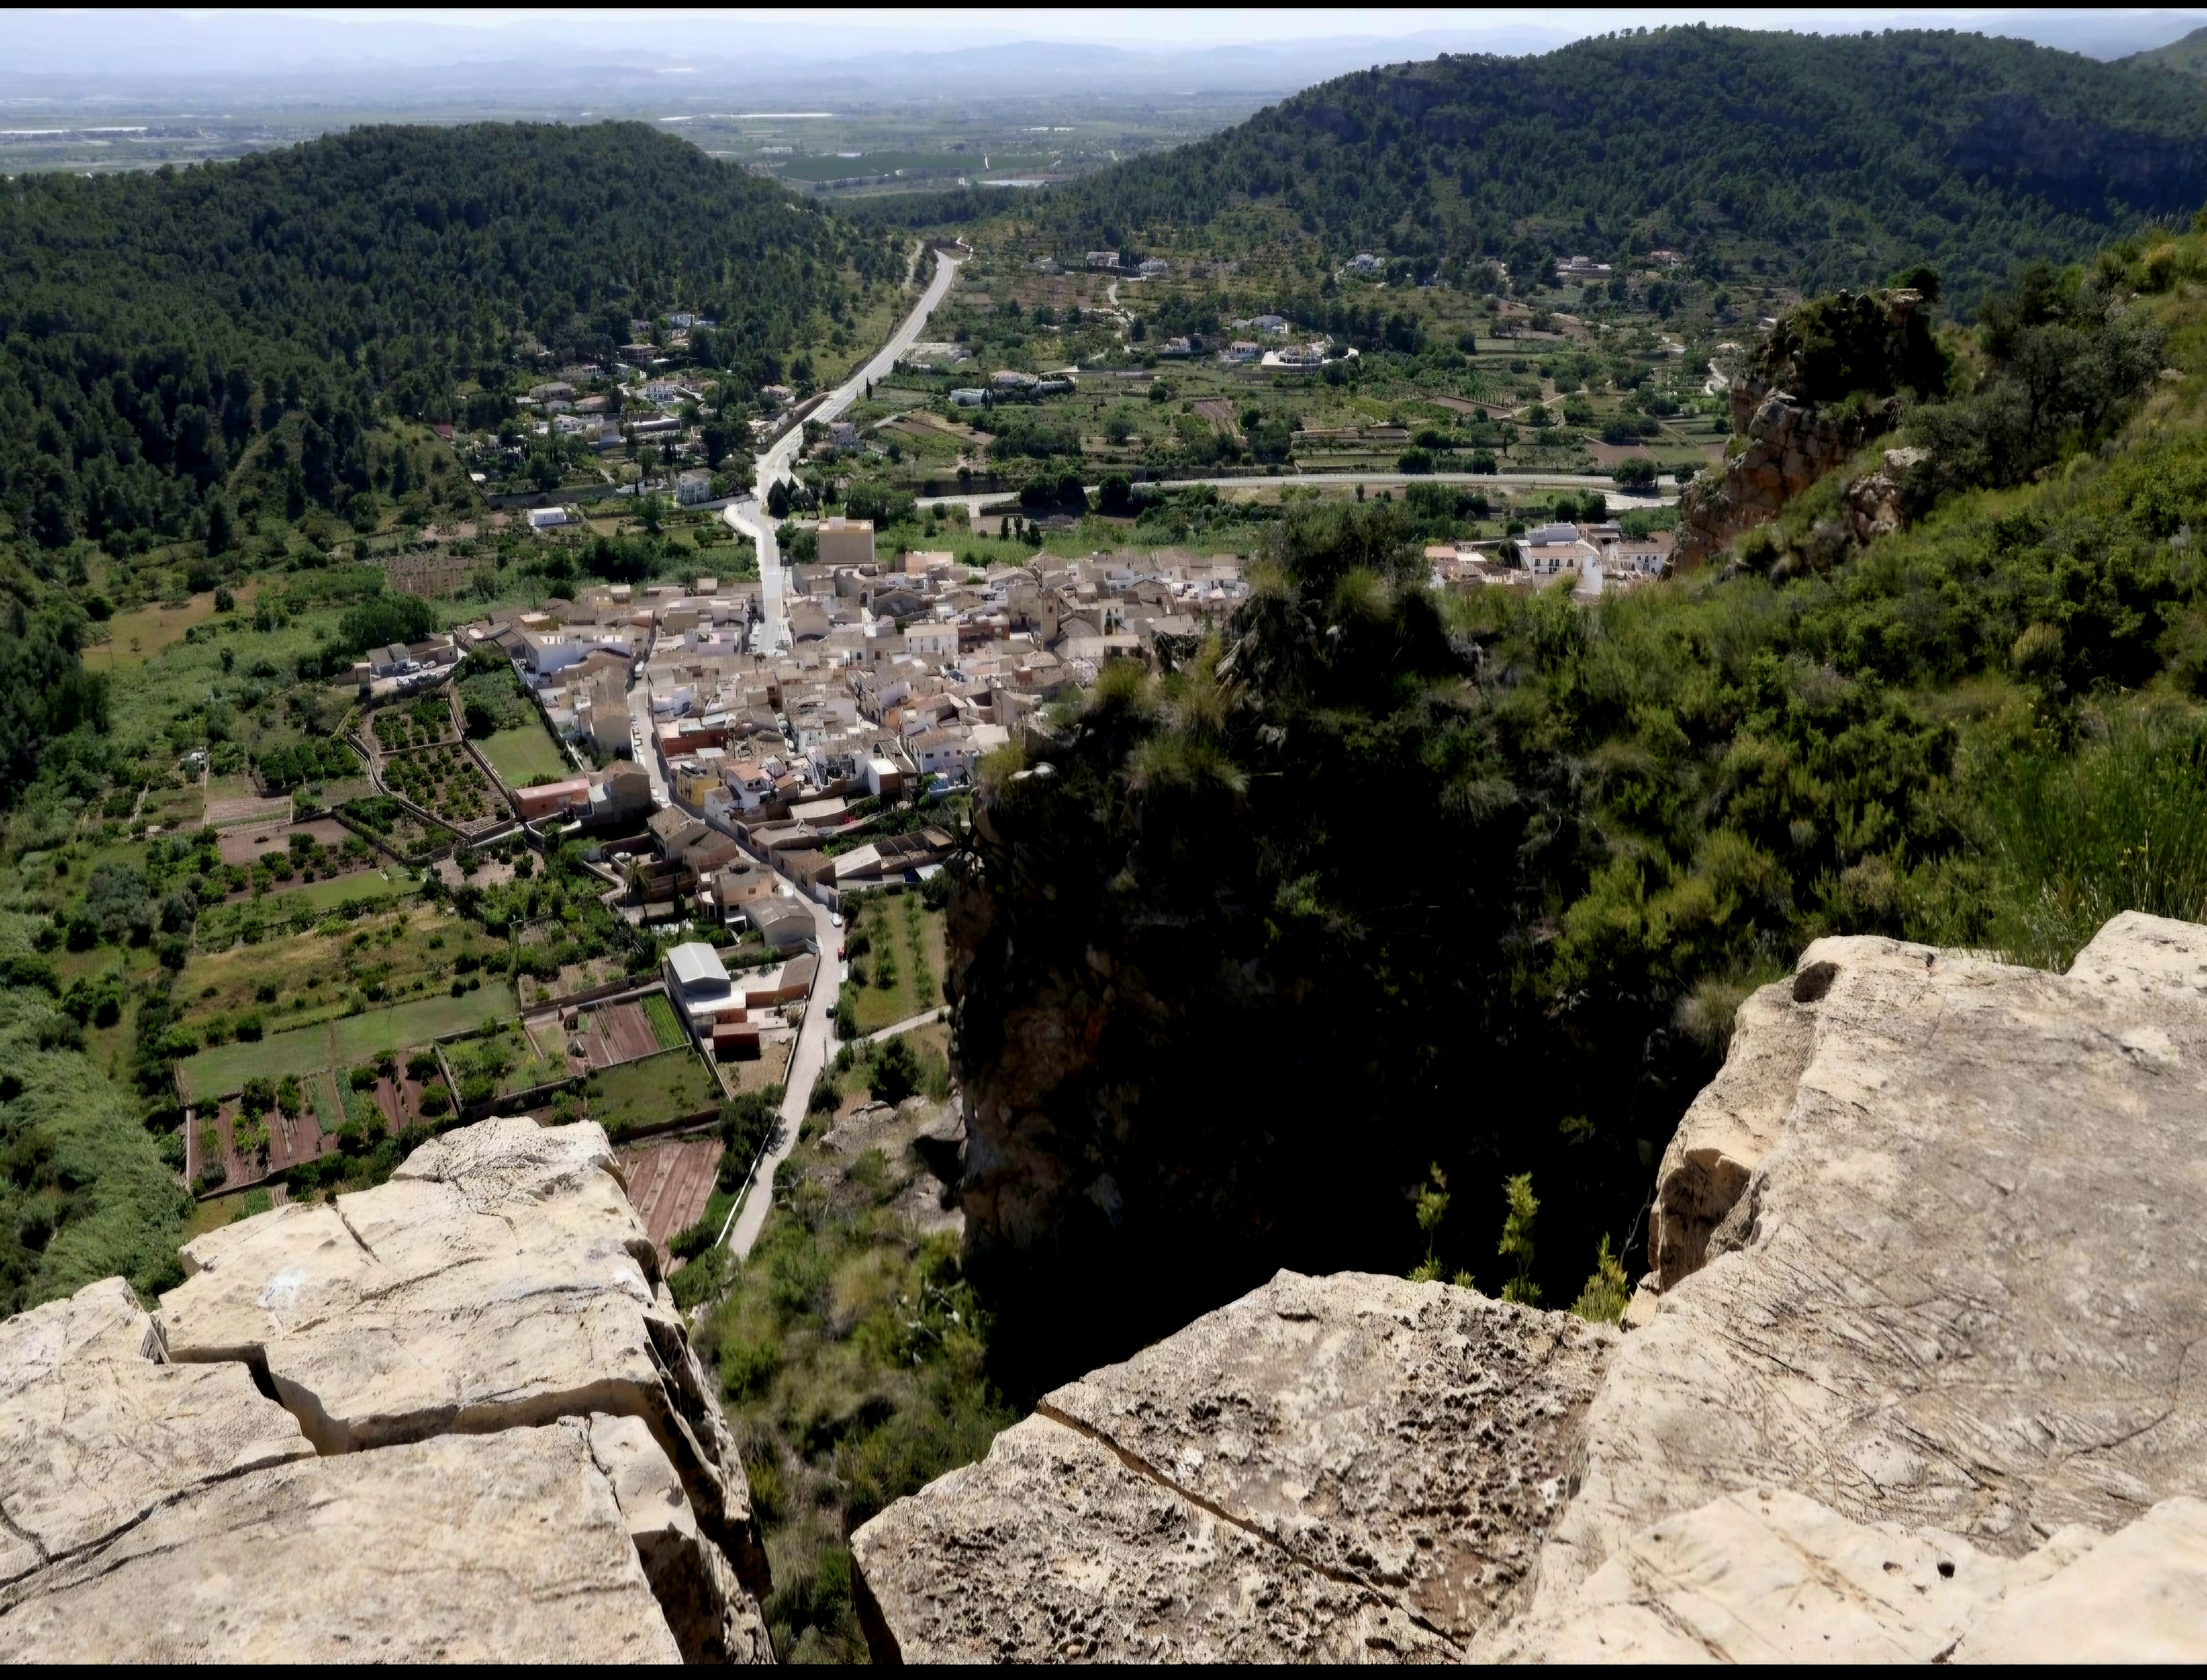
506,1547
1326,1469
1911,1379
1961,1288
454,1417
98,1432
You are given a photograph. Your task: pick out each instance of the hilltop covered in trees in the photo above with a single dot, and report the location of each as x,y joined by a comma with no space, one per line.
1832,159
151,324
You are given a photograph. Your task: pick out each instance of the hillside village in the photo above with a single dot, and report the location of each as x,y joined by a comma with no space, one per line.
648,901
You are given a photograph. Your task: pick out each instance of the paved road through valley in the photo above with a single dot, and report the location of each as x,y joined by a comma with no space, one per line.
816,1043
749,516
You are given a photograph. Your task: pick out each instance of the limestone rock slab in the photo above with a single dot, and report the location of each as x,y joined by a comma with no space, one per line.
1963,1290
1771,1576
420,1307
1407,1444
508,1547
714,1620
96,1431
1055,1549
1415,1437
1729,1128
2137,1597
501,1279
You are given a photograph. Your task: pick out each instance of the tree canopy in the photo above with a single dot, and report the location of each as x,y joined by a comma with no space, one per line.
151,323
1841,156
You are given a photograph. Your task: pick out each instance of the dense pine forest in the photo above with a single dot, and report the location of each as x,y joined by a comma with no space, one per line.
152,325
1830,160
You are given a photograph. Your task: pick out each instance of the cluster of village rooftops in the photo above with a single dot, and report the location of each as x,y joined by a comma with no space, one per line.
898,678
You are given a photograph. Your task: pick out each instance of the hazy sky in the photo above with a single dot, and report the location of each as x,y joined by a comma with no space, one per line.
320,54
862,28
212,39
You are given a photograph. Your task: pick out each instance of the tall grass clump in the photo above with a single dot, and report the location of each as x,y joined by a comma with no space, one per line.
2078,837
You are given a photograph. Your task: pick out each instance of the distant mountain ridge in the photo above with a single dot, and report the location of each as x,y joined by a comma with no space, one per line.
2188,54
1841,157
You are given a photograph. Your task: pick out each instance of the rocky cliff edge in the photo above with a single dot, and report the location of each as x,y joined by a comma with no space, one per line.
452,1418
1914,1376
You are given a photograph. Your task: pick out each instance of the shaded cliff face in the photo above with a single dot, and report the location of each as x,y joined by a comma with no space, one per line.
1247,948
1911,1379
1244,950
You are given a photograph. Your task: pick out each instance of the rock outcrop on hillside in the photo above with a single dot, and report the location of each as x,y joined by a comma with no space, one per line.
455,1417
1820,390
1911,1377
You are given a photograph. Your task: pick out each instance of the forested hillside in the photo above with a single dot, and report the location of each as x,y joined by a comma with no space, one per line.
149,325
1385,880
1834,159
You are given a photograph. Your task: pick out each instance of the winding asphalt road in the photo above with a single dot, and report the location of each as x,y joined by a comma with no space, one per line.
749,516
816,1041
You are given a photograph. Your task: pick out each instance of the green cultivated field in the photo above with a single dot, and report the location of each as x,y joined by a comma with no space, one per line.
366,885
403,1026
664,1027
224,1069
521,755
650,1091
342,1043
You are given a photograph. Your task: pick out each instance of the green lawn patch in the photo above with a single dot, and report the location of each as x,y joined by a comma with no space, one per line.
406,1025
664,1027
225,1068
519,756
650,1091
362,885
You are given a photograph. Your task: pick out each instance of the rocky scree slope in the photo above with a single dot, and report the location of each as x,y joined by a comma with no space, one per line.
1912,1378
456,1417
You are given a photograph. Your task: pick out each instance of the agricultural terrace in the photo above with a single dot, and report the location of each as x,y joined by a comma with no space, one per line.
894,949
446,782
505,1059
349,1040
650,1091
426,720
330,968
393,825
249,921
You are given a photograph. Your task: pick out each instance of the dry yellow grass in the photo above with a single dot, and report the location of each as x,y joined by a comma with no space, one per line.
137,636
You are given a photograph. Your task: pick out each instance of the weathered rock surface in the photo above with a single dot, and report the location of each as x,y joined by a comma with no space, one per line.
1962,1290
1790,444
504,1547
1913,1378
922,1146
491,1316
97,1433
1727,1131
1056,1549
1771,1576
1335,1459
500,1278
714,1620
